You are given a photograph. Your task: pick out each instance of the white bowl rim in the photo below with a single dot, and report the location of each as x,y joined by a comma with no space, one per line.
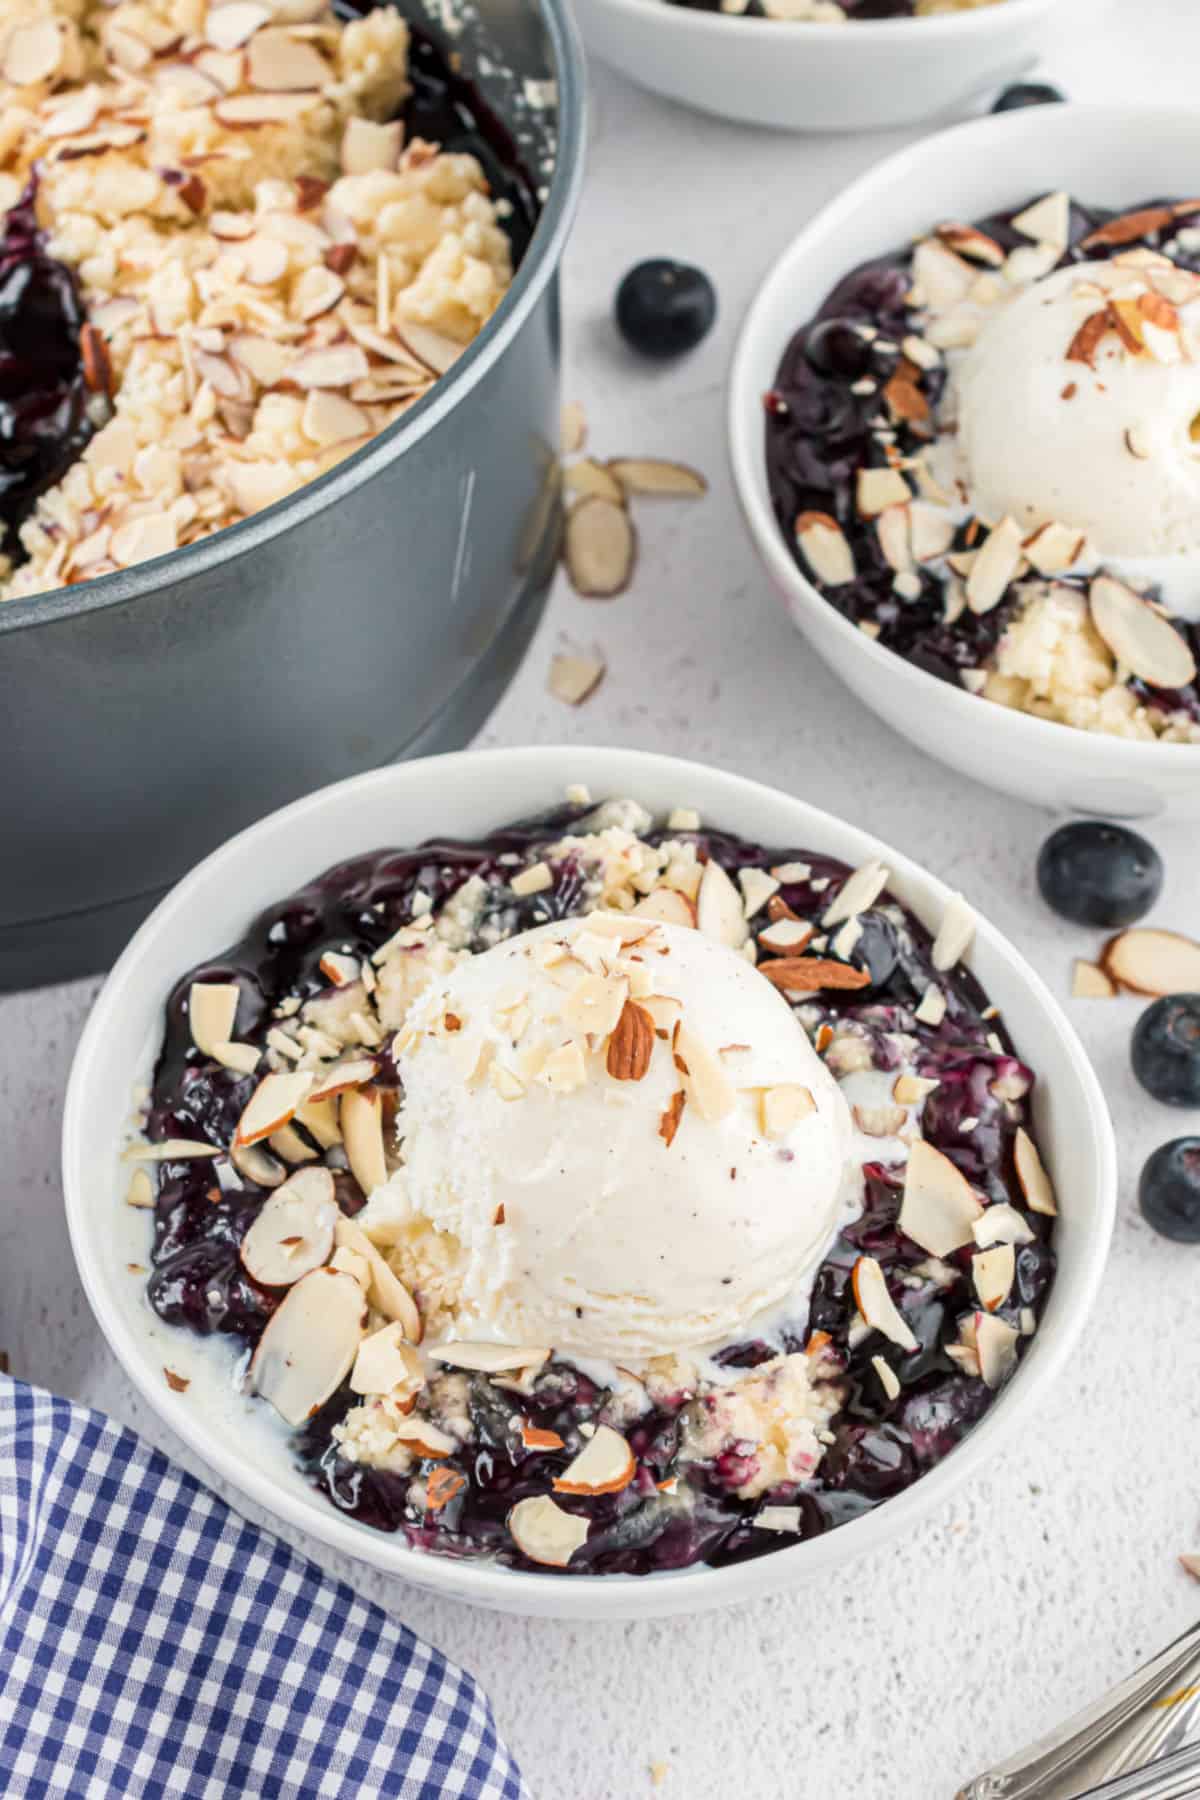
616,1596
745,443
939,30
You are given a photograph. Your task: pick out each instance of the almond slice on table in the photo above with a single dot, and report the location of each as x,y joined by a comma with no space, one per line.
212,1009
588,477
600,548
1090,982
668,905
605,1465
876,1306
993,1272
1001,1224
996,1347
1139,636
1149,961
544,1533
272,1105
572,430
489,1359
292,1233
939,1209
1035,1183
651,475
720,914
387,1292
309,1345
575,678
825,548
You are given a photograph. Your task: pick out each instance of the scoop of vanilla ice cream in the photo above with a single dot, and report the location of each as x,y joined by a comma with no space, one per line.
619,1217
1107,447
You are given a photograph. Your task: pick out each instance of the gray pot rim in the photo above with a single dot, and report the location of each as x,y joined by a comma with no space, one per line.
538,267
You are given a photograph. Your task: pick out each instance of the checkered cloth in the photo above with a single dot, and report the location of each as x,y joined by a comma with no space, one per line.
153,1643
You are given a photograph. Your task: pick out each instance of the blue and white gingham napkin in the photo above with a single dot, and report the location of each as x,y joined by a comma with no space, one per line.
153,1643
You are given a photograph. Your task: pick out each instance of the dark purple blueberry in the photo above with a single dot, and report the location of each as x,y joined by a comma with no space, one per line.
1166,1050
1028,93
665,308
837,347
1169,1190
1096,873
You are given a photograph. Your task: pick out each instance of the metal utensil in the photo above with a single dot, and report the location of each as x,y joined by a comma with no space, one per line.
1141,1741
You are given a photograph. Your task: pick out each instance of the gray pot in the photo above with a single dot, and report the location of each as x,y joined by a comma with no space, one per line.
378,613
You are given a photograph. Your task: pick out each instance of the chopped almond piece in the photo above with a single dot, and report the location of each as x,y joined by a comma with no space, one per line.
1035,1183
876,1306
544,1533
605,1465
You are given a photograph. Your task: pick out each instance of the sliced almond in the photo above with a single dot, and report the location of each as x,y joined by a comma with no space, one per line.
534,1437
877,489
1002,1224
1090,982
956,934
995,567
910,1090
348,1072
605,1465
600,548
649,475
388,1293
996,1347
857,894
437,351
588,477
826,548
367,146
309,1345
288,1144
385,1363
293,1232
544,1533
893,531
244,112
668,905
329,418
719,911
1129,227
212,1009
939,1208
278,62
972,243
757,888
783,1107
809,974
932,1007
876,1306
708,1087
140,1191
317,292
489,1359
336,367
572,431
1053,548
993,1272
261,357
574,678
880,1121
1035,1183
930,530
785,937
941,279
888,1379
33,52
1139,636
272,1104
256,1163
362,1134
229,27
1047,221
1149,961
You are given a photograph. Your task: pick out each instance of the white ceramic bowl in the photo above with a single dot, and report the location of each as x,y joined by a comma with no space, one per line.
813,77
964,173
469,794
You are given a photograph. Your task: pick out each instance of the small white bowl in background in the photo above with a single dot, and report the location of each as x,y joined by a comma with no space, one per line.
1109,156
467,795
804,76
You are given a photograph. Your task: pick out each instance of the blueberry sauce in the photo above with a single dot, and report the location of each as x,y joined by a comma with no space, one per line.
43,396
880,1444
819,433
862,11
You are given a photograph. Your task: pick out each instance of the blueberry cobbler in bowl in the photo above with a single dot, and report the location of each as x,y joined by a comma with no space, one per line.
612,1195
984,451
237,241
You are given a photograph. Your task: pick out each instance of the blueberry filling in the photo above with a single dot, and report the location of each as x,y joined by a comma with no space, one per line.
676,1511
846,398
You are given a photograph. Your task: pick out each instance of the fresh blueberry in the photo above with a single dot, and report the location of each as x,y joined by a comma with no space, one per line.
1028,93
1094,873
665,308
1166,1050
835,347
1169,1191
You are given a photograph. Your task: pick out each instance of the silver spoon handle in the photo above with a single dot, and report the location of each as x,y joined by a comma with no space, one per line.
1140,1742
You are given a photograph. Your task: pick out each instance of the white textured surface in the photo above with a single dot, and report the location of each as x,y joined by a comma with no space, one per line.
1056,1573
